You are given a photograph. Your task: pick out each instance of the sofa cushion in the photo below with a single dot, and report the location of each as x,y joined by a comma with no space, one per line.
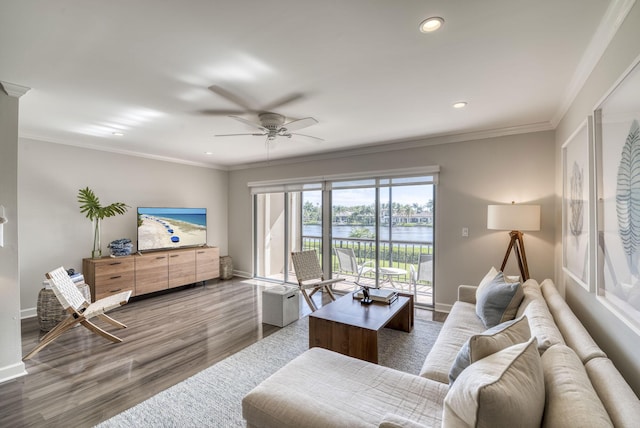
489,342
498,301
571,400
541,323
531,290
621,403
461,323
321,388
505,389
573,332
391,420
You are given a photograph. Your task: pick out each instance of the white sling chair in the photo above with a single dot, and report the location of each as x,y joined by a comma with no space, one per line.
80,311
348,264
423,273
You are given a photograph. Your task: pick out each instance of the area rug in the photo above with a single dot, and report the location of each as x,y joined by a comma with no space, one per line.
213,397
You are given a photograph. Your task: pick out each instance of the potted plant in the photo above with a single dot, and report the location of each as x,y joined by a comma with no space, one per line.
90,206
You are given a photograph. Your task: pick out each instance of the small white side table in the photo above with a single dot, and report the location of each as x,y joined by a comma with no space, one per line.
280,305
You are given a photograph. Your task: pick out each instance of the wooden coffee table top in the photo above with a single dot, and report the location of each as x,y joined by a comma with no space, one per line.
347,310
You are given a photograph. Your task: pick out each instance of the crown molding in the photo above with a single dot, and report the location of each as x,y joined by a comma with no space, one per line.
125,152
415,142
14,90
607,29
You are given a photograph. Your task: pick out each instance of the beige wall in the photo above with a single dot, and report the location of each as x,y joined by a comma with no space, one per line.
473,174
10,350
53,232
619,342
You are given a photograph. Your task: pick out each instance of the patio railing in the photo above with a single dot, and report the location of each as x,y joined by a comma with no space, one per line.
395,254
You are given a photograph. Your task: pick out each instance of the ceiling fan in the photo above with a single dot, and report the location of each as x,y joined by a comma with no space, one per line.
272,125
245,107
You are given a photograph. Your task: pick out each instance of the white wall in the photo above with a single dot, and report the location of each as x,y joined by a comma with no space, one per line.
10,350
53,232
473,175
619,342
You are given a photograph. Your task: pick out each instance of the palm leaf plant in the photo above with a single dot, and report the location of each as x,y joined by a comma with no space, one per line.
90,206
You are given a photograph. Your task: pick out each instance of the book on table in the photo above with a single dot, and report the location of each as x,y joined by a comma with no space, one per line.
384,295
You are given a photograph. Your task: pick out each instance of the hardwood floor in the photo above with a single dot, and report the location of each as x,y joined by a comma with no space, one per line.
82,379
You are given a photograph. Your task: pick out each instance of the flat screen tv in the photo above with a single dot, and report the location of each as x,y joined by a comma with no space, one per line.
162,228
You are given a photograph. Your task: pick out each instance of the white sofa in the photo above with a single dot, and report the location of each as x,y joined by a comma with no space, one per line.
565,380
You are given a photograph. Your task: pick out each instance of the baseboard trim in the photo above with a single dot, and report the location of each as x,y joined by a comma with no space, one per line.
242,274
28,313
12,372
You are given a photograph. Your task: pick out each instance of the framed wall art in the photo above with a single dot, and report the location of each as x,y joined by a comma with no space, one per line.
617,154
575,204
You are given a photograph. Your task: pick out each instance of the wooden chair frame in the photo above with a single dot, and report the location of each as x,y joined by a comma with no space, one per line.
80,311
310,276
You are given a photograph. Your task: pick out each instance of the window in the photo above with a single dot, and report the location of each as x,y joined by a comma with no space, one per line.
386,223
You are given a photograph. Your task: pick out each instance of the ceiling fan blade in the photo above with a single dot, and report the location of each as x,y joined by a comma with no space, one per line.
230,97
250,123
299,124
220,112
282,101
238,135
318,139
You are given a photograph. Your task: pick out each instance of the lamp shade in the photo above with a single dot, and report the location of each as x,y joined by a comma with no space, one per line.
513,217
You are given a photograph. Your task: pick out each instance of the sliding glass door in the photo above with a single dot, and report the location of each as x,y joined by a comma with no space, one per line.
380,232
354,233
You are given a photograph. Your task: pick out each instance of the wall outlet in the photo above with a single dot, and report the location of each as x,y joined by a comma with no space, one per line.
465,232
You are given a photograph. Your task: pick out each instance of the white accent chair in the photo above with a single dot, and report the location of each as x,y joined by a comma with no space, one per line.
423,273
348,264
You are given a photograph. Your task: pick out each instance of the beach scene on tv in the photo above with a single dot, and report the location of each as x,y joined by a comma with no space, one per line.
171,227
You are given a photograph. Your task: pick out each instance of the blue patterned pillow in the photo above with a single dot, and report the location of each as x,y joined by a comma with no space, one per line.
498,301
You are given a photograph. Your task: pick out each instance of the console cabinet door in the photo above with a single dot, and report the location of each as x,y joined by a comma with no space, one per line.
207,263
182,267
152,272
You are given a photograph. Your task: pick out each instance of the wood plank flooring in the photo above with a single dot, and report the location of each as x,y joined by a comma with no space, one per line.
82,379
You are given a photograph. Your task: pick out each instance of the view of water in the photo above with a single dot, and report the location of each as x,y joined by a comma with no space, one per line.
399,233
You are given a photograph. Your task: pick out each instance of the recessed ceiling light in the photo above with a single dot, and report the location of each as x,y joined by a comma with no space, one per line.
118,134
208,153
431,24
460,104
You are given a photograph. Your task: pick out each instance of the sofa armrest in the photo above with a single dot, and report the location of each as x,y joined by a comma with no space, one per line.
467,293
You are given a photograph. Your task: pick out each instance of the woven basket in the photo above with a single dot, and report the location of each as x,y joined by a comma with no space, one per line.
49,309
226,267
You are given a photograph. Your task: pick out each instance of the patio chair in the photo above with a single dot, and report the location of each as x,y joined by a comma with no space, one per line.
423,273
80,311
348,264
310,276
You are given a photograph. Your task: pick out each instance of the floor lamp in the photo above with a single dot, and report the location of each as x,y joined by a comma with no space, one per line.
515,218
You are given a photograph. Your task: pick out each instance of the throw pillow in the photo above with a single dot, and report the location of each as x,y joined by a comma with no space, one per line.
491,341
491,275
498,301
487,279
505,389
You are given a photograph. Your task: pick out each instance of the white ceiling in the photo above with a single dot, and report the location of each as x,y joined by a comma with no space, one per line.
367,74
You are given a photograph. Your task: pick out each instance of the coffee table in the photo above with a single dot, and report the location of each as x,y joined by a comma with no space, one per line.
351,328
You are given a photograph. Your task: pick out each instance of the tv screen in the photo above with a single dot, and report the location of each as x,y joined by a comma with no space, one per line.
161,228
